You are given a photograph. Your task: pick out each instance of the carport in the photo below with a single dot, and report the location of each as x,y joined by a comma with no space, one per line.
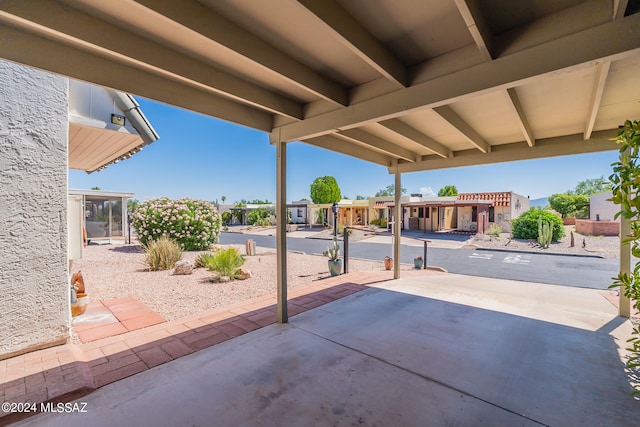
411,86
415,86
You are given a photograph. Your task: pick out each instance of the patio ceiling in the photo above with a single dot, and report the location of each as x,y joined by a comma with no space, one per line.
419,84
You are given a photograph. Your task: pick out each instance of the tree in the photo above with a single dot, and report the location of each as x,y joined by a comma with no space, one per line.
223,198
95,188
589,187
567,204
390,190
132,205
448,190
359,197
324,189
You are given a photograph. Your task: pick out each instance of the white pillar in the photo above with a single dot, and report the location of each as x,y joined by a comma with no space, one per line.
398,226
281,228
624,304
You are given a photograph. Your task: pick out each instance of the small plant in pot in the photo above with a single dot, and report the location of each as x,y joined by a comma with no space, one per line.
335,263
418,262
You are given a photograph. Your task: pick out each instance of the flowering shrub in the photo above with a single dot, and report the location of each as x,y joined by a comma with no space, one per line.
194,224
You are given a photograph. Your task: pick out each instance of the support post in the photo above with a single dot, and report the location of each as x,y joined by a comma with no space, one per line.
424,266
624,304
281,229
398,225
345,241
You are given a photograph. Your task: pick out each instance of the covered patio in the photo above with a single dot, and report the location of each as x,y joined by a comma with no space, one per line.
422,350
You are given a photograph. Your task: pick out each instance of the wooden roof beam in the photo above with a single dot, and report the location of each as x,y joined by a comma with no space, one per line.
377,143
611,41
358,39
463,127
602,71
523,122
88,33
403,129
477,25
330,142
221,31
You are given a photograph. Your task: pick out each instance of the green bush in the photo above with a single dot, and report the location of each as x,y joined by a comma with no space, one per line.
262,217
202,260
194,224
227,217
225,261
526,225
494,230
162,254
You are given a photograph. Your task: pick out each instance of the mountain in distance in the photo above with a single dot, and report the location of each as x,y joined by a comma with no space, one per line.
541,202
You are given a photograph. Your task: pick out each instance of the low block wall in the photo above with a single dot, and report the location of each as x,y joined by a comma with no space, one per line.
597,228
569,221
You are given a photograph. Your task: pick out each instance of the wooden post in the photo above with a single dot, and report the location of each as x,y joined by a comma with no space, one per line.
345,241
398,225
624,304
281,229
424,265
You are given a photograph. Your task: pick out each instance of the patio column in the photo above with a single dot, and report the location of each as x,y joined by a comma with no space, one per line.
624,304
398,221
281,225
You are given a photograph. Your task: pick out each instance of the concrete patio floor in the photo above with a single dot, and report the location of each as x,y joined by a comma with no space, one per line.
424,351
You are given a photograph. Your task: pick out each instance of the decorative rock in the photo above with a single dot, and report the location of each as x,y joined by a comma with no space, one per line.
242,274
224,279
183,268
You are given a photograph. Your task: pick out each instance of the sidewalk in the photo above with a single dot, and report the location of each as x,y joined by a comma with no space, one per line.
63,373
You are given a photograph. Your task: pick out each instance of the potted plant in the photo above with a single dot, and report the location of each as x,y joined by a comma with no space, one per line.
335,263
418,262
388,263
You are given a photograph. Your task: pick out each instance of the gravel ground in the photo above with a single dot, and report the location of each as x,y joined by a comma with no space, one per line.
113,271
606,247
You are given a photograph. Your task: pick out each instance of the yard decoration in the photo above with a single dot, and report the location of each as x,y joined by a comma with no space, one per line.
418,262
335,263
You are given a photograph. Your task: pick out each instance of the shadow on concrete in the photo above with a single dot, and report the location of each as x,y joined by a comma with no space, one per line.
383,357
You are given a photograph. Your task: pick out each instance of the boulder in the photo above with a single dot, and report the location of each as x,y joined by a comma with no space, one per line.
242,274
224,279
183,268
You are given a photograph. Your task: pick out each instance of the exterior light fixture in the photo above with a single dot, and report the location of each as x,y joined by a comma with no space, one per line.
117,119
335,209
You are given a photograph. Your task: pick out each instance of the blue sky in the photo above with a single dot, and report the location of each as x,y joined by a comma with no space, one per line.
205,158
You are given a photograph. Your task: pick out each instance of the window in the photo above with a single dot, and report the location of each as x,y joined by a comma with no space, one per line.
300,213
474,214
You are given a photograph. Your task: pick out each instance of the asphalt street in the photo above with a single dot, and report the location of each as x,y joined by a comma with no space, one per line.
578,271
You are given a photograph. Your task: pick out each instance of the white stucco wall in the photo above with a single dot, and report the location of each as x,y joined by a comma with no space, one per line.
34,307
599,205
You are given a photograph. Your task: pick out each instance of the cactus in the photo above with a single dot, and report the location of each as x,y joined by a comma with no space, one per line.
545,233
334,252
